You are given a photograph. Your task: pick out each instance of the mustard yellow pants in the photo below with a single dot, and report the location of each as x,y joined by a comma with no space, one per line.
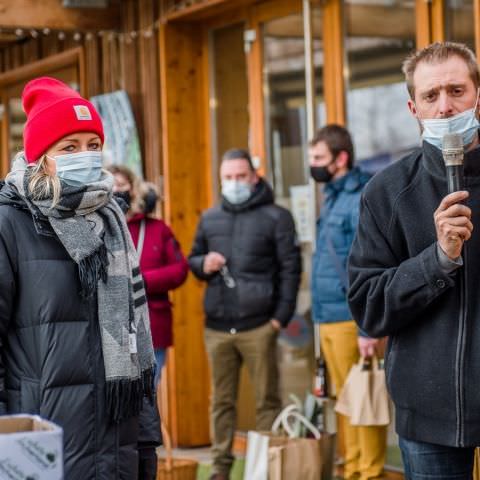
365,447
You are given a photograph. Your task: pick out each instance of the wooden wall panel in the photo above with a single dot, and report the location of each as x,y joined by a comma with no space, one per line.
149,89
186,169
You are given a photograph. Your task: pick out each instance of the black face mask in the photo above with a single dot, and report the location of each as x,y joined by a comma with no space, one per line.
124,196
321,174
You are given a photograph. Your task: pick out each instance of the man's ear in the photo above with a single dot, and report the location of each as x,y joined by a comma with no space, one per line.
342,159
255,177
412,107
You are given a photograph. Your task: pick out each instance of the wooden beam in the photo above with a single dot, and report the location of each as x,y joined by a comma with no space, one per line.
272,9
256,99
148,65
199,11
50,14
42,67
422,23
333,44
186,167
438,20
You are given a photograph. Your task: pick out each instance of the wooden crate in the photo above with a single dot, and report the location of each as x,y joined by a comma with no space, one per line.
182,469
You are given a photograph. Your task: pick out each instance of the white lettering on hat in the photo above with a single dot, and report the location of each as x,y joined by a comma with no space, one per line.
82,112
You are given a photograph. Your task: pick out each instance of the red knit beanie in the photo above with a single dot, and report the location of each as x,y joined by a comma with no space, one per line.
54,110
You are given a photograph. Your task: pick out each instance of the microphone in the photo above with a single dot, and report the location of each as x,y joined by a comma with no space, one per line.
452,151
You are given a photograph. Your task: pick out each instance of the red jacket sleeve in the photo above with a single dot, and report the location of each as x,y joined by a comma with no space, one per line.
170,275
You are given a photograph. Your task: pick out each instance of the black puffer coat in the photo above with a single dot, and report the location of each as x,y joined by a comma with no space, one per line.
51,360
258,240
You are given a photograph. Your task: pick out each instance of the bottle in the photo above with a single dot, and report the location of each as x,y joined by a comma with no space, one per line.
320,388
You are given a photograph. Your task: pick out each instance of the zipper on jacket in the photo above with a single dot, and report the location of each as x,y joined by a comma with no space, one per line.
460,354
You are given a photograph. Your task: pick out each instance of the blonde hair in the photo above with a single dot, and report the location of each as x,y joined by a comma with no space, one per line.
42,185
439,52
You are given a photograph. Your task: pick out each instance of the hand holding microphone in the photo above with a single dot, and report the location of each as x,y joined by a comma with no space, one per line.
452,218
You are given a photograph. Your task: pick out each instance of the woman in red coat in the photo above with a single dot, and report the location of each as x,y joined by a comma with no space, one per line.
162,263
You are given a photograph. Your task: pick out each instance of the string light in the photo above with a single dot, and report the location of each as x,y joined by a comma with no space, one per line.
112,35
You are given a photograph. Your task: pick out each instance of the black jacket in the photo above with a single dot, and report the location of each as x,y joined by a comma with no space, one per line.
399,289
51,361
258,240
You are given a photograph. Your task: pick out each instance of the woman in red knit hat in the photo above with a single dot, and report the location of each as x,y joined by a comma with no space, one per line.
75,342
162,263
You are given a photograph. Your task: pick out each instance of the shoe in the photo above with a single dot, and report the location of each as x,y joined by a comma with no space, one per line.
218,476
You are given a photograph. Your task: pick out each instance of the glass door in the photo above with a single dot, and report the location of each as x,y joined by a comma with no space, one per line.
228,94
287,135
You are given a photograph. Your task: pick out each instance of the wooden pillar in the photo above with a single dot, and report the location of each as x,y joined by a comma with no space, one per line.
186,168
333,77
422,23
438,20
149,84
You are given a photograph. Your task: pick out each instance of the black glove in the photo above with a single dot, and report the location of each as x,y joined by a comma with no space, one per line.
147,463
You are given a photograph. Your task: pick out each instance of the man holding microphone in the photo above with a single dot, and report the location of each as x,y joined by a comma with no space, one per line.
409,274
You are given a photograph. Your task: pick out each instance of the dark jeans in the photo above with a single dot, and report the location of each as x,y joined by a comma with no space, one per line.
424,461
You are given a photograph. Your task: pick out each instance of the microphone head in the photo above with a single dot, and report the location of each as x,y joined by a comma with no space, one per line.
452,149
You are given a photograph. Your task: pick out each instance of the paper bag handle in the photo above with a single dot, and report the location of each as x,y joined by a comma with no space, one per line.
291,411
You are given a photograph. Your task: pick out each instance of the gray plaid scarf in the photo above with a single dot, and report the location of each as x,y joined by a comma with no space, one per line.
92,228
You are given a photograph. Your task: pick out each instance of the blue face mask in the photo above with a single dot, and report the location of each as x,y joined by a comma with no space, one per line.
465,123
236,192
81,168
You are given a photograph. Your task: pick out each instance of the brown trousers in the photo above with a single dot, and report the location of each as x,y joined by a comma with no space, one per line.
227,352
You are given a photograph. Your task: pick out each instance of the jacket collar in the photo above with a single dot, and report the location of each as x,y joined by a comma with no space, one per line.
138,217
433,162
352,181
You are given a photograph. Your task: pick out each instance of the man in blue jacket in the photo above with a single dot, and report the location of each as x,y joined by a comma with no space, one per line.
331,162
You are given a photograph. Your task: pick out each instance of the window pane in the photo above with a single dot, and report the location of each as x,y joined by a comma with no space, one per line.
459,19
379,37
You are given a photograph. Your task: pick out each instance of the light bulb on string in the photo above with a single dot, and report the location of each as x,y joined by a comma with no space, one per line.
19,32
46,31
33,33
77,36
61,36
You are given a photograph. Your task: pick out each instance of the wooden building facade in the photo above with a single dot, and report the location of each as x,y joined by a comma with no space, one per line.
207,75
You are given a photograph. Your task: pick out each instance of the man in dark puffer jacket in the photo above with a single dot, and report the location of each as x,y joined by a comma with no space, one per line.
247,252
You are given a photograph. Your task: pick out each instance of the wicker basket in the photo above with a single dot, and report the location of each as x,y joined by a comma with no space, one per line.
170,468
181,469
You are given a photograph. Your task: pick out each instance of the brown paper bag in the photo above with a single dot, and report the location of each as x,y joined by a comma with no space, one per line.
364,397
299,458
